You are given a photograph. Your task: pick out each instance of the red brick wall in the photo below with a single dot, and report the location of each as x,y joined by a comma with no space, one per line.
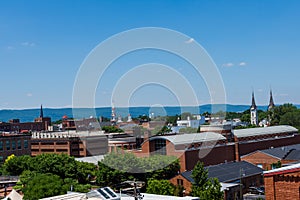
285,186
260,158
216,155
246,148
186,184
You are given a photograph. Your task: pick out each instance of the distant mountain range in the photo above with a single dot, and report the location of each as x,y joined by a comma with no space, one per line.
57,113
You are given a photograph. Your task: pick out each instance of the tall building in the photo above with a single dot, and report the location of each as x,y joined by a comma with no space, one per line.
253,112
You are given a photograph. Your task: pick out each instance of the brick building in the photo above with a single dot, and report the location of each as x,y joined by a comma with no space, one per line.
268,158
17,144
283,183
77,144
230,172
213,148
253,139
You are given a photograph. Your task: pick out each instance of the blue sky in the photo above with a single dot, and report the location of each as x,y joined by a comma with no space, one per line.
255,45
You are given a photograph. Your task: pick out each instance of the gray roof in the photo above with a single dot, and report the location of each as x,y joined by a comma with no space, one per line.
293,155
190,138
264,131
281,152
228,172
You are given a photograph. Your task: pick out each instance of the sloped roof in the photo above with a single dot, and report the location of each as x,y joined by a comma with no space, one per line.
264,131
281,152
190,138
13,195
293,155
228,172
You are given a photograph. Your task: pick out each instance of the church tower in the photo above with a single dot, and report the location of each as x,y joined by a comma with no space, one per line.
270,108
113,116
253,112
41,112
271,103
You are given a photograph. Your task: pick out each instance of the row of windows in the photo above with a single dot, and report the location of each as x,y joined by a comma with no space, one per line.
13,145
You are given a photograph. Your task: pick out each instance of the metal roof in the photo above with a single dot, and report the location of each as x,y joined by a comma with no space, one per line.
228,172
190,138
264,131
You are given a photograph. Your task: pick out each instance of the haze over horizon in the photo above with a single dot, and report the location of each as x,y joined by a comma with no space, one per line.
255,46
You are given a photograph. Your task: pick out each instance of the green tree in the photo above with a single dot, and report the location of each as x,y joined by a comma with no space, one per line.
60,164
291,118
85,172
107,176
158,130
111,129
118,167
17,164
162,187
43,185
280,111
204,187
188,130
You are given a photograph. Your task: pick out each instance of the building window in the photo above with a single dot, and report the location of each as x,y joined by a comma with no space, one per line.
179,182
19,144
1,145
1,159
160,146
7,145
13,145
25,144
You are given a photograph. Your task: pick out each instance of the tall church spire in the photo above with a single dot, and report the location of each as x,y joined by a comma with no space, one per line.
271,103
253,105
41,112
253,112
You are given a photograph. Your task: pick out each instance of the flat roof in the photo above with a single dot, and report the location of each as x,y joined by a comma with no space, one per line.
281,170
240,133
190,138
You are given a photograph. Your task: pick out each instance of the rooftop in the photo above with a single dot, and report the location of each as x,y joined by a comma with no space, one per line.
228,172
281,152
240,133
282,170
190,138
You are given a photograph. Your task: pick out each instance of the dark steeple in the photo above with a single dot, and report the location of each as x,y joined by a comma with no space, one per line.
253,105
41,112
271,104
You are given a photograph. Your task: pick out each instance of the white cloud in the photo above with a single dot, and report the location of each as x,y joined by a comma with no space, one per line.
28,44
10,47
190,41
242,64
228,64
29,94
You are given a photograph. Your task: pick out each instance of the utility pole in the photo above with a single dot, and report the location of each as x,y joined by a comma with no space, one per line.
241,184
136,184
